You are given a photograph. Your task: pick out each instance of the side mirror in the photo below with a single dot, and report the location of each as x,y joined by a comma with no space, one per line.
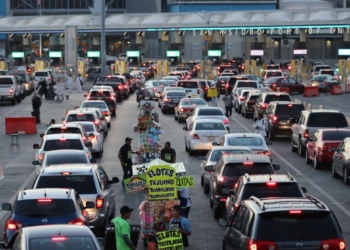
268,143
185,128
201,157
92,160
304,190
209,168
36,146
6,207
42,135
36,163
88,144
114,180
276,166
222,223
89,204
85,95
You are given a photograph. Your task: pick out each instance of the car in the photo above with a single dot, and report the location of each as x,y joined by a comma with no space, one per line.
171,99
10,90
138,75
94,73
255,142
262,186
125,86
245,84
105,95
322,145
91,182
224,67
231,82
221,83
226,173
332,73
309,121
280,117
321,80
165,89
271,80
239,96
192,87
102,106
208,113
288,82
67,128
265,98
27,80
213,156
44,207
54,237
96,138
282,223
340,159
43,75
272,73
186,107
235,72
205,86
316,69
63,156
249,103
154,88
116,86
201,133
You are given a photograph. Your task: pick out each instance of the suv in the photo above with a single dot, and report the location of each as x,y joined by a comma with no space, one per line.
192,88
280,117
91,182
265,98
67,128
26,79
330,72
44,207
10,89
239,96
249,103
245,84
283,223
262,186
226,173
231,82
105,95
309,121
221,82
43,75
316,69
114,82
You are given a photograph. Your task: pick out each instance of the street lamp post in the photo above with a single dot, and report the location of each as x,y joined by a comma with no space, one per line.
103,38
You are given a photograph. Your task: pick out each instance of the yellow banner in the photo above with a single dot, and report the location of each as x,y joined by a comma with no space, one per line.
170,240
185,181
161,182
212,92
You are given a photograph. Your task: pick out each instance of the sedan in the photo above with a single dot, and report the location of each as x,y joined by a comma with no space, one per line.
102,106
208,113
213,156
321,146
171,100
202,133
255,142
96,138
321,80
341,160
154,88
288,82
186,107
166,89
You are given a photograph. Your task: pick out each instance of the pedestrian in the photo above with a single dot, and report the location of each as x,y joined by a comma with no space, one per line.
168,154
185,201
260,125
213,93
70,83
79,82
43,88
36,104
228,98
180,223
122,229
125,158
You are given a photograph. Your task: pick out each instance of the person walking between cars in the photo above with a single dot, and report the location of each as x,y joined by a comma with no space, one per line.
125,158
168,154
260,125
79,82
180,223
228,104
43,89
70,83
122,229
36,104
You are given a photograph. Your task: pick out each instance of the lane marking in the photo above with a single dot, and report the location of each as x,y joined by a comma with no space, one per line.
308,180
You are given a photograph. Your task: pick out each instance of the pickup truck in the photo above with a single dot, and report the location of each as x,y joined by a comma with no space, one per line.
10,89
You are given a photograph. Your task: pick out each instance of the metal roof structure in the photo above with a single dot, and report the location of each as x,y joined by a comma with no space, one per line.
179,21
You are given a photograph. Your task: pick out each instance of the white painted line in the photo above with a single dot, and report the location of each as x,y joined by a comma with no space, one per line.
329,197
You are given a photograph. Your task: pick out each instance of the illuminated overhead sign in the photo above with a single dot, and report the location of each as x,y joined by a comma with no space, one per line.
173,53
55,54
133,53
257,52
93,54
343,52
17,54
214,52
300,52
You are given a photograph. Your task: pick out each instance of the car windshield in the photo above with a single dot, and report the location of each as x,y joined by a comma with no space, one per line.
88,127
210,126
70,242
215,156
309,225
66,158
247,84
161,84
80,117
262,190
89,104
51,208
173,93
63,144
109,79
188,85
335,135
83,184
6,81
193,102
245,141
238,169
327,120
290,109
102,94
63,130
41,74
277,97
274,73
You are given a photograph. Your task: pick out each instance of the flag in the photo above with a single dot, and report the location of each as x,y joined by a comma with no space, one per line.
38,2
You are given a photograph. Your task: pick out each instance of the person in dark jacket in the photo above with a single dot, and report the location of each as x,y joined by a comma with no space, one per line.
43,88
36,104
228,98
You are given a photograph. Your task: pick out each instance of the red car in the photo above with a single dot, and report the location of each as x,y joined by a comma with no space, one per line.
322,145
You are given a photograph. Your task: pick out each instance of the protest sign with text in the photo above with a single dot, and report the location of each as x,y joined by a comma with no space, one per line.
170,240
161,182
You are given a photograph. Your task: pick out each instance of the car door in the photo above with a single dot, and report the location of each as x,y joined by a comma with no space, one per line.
297,127
108,191
311,146
188,134
337,157
232,199
293,85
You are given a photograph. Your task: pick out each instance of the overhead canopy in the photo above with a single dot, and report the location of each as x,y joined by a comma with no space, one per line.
178,21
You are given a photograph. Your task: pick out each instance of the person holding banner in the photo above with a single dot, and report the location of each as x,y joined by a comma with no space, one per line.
213,93
180,223
125,155
122,229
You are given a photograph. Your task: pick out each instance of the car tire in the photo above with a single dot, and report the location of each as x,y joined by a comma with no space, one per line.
114,113
239,109
202,180
190,151
175,117
19,99
317,165
293,149
14,101
346,177
108,125
334,172
271,136
307,159
245,115
301,91
179,120
301,149
217,210
186,146
206,188
105,133
159,105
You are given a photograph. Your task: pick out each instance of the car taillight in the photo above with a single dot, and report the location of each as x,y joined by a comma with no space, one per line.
271,184
93,137
263,105
221,179
195,136
86,213
41,156
226,121
77,221
166,100
267,153
227,86
274,119
105,113
11,91
333,244
120,87
13,224
59,238
100,201
306,133
44,200
242,98
96,121
262,245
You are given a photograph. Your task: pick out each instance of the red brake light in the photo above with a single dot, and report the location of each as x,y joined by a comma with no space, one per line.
263,105
221,179
44,200
195,136
96,121
226,121
257,245
105,113
242,98
166,100
290,105
11,91
62,139
100,201
271,184
13,225
80,114
295,212
333,244
77,221
59,238
306,133
63,128
248,163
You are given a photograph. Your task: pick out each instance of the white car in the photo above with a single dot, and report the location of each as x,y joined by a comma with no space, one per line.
67,128
193,88
64,156
61,141
240,97
273,73
201,134
171,78
102,106
208,113
95,137
255,142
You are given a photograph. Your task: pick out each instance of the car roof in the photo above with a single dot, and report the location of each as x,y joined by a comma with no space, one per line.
30,194
63,135
59,125
333,129
263,178
322,111
94,101
56,230
71,168
214,148
208,120
243,135
238,158
83,122
275,93
65,152
286,102
82,110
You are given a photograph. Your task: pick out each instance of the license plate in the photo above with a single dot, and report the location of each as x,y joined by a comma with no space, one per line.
223,85
211,138
193,95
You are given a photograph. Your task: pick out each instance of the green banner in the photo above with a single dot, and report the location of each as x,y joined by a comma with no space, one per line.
185,181
161,182
135,183
170,240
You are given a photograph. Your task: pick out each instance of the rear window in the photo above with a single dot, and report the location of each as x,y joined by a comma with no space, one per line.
161,84
253,98
318,68
272,67
318,78
204,112
188,85
94,70
262,190
101,94
215,156
71,242
6,81
175,74
88,127
222,79
309,225
245,141
238,169
335,135
232,80
34,208
327,120
274,73
80,117
41,73
109,79
182,68
193,102
222,68
292,109
64,159
210,126
247,84
65,130
83,184
327,72
89,104
272,98
63,144
179,94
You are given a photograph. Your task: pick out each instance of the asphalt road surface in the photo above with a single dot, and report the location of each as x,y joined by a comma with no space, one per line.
206,234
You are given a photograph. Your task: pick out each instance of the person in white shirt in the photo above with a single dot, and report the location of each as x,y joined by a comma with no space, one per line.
260,125
185,201
70,83
79,82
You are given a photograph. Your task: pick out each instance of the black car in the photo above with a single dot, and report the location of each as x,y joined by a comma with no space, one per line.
93,73
280,117
104,95
115,83
231,82
171,99
265,98
221,83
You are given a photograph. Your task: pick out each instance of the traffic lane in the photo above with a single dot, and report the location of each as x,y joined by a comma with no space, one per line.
319,183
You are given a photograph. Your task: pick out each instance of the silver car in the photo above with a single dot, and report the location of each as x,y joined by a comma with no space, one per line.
187,106
92,184
214,154
154,88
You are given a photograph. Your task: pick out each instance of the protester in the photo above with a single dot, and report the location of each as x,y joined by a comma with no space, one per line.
125,158
70,83
36,104
213,93
185,201
228,104
180,223
260,125
79,82
168,154
122,229
43,88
